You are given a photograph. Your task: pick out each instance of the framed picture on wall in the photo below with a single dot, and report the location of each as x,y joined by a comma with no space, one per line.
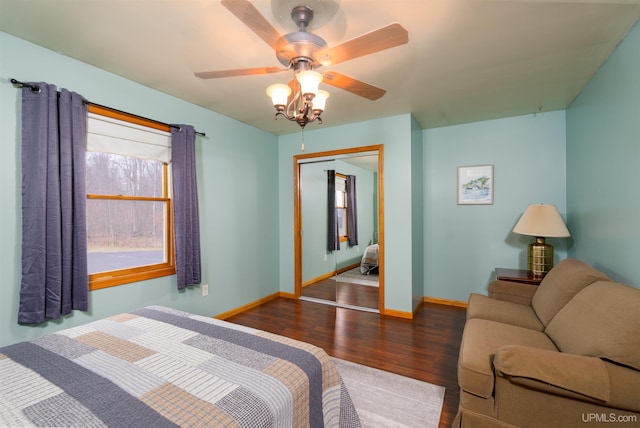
475,185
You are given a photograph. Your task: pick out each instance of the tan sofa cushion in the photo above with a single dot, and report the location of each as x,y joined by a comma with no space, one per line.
559,286
603,320
559,369
480,341
486,308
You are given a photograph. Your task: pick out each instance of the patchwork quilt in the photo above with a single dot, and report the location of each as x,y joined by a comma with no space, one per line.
159,367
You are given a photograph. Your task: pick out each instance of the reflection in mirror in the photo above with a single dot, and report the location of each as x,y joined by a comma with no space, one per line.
348,276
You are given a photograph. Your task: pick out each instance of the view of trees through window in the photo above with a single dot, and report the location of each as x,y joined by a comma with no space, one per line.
126,212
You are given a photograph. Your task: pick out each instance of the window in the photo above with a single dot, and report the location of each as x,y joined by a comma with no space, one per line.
341,206
129,213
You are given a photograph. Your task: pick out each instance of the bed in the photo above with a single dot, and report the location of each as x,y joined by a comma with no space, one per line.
370,260
157,367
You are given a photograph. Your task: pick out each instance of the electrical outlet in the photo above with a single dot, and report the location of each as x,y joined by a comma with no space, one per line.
205,289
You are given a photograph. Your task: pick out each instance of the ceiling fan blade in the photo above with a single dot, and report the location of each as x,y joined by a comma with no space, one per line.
374,41
252,18
238,72
352,85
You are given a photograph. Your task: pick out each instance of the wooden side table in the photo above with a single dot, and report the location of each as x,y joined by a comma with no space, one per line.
518,275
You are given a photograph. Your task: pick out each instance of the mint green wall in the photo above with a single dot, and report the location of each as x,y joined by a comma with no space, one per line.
395,133
238,187
603,161
464,243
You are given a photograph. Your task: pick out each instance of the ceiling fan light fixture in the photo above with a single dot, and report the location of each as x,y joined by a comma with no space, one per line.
309,81
302,51
300,101
320,100
279,94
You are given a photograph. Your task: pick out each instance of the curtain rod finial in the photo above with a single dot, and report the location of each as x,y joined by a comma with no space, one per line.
19,84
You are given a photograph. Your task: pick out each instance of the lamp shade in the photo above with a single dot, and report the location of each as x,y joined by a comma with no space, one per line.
320,100
543,221
309,81
279,93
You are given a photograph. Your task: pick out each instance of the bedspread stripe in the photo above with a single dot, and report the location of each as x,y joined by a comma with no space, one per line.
271,390
299,357
121,409
185,410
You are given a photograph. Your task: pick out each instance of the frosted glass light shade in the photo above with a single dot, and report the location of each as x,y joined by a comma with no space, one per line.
309,81
279,93
543,221
320,100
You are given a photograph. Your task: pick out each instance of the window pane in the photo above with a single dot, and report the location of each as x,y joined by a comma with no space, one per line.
109,174
342,221
124,234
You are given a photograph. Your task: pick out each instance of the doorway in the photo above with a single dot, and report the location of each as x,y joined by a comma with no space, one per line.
349,274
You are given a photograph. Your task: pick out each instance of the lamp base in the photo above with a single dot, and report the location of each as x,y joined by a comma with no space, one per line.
540,257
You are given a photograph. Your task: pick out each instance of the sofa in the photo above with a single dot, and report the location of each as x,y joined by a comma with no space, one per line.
565,353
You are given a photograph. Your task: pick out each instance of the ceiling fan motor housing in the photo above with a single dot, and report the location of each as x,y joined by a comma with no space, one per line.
299,44
291,47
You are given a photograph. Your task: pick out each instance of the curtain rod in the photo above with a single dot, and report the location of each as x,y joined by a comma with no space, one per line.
36,88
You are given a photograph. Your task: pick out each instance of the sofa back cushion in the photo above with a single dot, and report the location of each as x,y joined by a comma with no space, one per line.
559,286
603,320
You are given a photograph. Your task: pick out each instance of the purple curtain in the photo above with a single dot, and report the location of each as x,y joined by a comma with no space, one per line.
333,238
352,207
185,206
54,229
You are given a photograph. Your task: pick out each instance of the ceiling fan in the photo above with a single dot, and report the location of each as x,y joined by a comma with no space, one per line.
302,50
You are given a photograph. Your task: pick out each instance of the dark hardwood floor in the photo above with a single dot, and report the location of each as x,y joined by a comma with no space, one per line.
425,348
343,293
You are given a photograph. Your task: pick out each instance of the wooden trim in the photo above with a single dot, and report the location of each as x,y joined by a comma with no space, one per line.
248,306
98,281
128,198
381,246
131,118
397,314
339,152
346,268
297,230
446,302
318,278
287,295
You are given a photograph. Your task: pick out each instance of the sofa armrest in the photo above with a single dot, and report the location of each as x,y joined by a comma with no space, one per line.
515,292
586,376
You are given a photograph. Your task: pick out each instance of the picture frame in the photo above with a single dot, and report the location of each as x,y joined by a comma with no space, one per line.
475,185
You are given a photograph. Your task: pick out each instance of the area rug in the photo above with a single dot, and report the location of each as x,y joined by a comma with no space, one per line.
384,400
354,276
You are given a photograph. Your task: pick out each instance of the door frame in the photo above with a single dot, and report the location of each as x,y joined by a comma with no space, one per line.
297,212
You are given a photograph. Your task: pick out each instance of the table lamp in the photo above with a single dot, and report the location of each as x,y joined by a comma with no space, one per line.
542,221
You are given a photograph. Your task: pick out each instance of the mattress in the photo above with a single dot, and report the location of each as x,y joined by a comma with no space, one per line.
157,367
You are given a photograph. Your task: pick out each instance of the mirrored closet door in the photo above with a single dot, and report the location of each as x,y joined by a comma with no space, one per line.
339,216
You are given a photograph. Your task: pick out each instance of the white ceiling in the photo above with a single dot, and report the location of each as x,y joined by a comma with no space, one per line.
466,60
